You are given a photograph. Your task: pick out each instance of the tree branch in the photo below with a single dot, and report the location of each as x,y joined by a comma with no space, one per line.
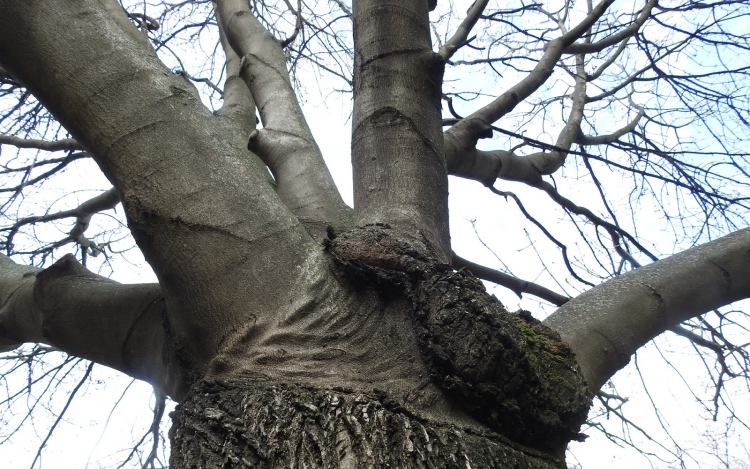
238,100
397,145
590,140
198,204
83,314
83,213
459,38
476,125
515,284
623,34
68,144
285,143
607,324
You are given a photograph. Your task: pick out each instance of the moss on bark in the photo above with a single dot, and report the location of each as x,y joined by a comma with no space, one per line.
509,371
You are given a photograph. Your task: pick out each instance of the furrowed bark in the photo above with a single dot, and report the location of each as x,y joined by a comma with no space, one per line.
285,143
198,203
121,326
397,144
608,323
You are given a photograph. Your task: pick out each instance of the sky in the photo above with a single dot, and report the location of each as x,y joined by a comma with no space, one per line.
111,411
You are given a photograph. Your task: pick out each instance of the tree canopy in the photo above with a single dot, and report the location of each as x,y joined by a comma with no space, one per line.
608,143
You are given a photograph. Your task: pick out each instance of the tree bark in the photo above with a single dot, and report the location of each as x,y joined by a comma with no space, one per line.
198,203
399,169
124,327
364,350
607,324
243,425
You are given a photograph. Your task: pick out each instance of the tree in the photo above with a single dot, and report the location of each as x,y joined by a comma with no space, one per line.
295,331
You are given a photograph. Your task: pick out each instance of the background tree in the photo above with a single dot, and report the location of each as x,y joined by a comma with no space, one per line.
295,330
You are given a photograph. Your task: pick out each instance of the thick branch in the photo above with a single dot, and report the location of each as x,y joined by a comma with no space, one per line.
608,323
83,314
463,159
198,203
475,126
397,143
238,100
285,143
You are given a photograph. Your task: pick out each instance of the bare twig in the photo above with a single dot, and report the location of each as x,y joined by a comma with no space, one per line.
517,285
460,37
68,144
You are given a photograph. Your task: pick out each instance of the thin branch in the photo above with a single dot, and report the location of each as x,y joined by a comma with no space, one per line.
587,48
83,213
68,144
460,37
563,247
515,284
62,413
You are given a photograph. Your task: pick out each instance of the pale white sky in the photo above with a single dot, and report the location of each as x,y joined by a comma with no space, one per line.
88,435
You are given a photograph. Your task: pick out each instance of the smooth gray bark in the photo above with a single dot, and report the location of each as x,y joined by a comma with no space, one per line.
607,324
198,203
397,143
374,317
66,306
285,143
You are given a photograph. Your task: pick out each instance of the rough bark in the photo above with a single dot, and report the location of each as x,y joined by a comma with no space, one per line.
366,351
243,425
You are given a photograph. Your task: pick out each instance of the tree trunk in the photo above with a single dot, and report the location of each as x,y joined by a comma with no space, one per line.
243,425
393,360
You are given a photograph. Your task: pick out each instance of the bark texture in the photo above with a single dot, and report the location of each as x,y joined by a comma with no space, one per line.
241,425
399,169
508,371
607,324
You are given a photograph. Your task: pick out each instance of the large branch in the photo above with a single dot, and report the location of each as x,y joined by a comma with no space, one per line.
83,314
608,323
477,125
238,100
285,143
397,144
198,203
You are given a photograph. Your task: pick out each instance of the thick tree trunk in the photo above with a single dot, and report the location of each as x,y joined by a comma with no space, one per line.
245,425
394,360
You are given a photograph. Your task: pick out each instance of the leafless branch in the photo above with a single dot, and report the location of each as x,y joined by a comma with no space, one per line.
460,37
515,284
68,144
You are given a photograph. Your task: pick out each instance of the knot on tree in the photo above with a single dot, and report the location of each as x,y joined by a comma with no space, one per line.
507,370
